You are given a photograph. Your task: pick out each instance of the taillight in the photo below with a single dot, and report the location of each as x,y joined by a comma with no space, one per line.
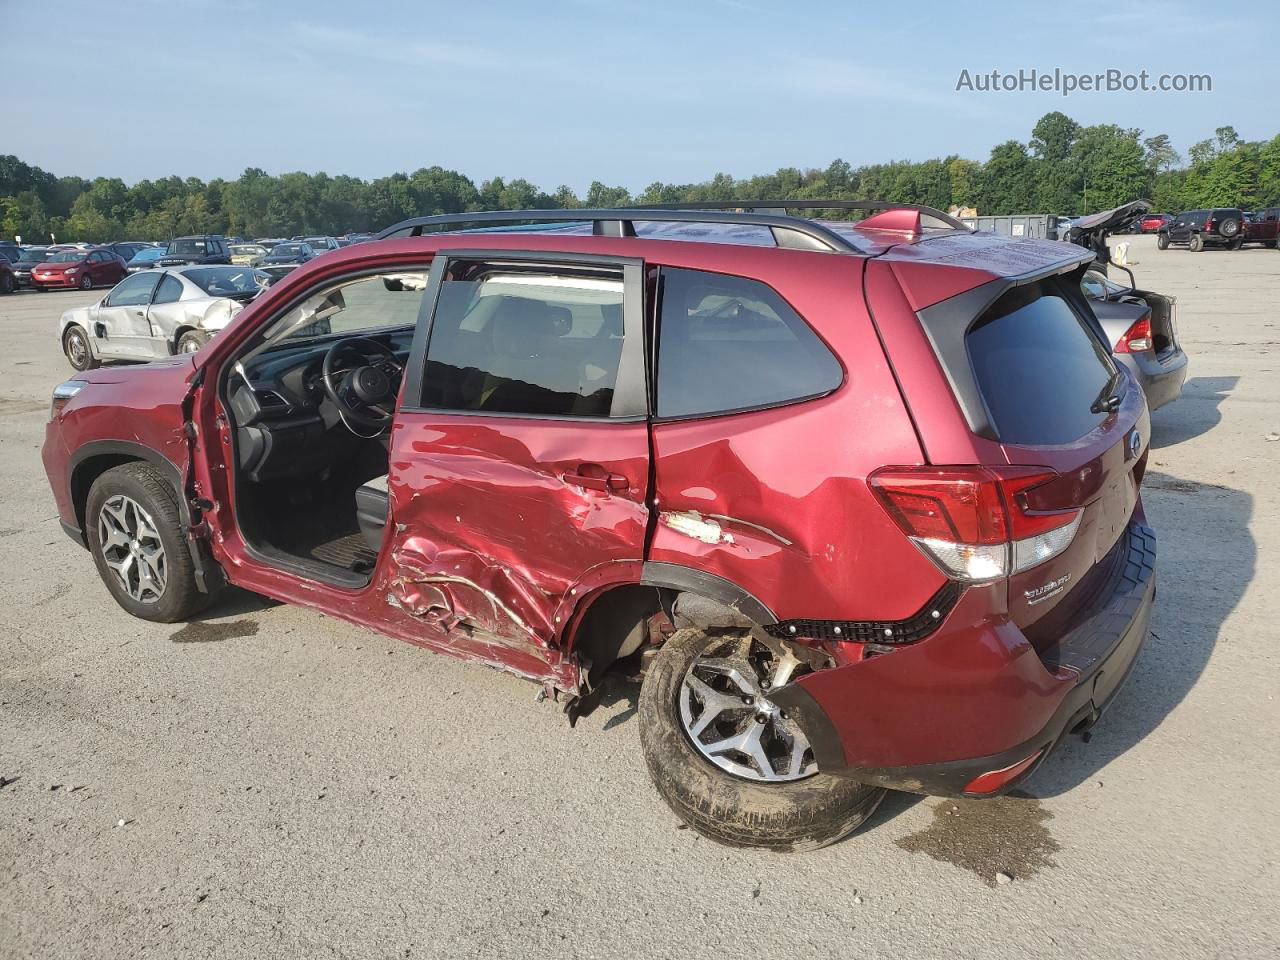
974,522
1137,338
1208,225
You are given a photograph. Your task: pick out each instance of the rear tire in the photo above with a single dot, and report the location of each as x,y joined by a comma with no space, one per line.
190,342
1196,243
795,815
1162,242
141,492
75,344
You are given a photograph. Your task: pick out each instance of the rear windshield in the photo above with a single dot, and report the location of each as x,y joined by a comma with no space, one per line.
1039,368
224,281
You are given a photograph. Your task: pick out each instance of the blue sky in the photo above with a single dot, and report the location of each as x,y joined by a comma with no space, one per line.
625,91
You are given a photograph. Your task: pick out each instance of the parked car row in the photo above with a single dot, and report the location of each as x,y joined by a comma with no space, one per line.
84,266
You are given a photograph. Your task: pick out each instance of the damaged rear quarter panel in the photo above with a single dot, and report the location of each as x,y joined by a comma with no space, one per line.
776,500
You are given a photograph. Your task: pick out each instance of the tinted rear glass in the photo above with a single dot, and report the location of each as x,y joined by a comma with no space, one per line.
1038,367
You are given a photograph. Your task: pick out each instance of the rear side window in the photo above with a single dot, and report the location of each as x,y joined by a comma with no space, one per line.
1038,367
514,340
170,290
729,343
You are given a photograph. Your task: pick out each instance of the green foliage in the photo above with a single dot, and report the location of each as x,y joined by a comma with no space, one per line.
1062,168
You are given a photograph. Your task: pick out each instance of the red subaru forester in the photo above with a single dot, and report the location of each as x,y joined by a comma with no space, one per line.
860,498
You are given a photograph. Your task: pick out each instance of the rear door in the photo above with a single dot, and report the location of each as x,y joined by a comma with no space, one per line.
122,328
519,463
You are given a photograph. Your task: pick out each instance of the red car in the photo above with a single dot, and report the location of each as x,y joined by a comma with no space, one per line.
861,500
1153,222
85,269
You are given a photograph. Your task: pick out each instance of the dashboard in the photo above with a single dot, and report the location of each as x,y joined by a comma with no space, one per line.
283,417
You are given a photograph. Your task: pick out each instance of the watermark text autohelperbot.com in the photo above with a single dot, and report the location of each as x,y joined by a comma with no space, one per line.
1067,83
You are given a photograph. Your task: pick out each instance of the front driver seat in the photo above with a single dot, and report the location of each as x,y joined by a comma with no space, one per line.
372,509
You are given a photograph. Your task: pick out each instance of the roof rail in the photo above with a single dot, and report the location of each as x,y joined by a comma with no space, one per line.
795,233
780,208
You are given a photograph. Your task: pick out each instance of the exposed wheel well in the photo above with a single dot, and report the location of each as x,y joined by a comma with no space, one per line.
614,626
89,470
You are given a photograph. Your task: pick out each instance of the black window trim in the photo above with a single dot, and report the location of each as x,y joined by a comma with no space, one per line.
630,396
656,349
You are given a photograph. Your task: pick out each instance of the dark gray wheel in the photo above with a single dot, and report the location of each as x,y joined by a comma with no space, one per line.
134,532
728,760
191,341
86,282
1196,243
1162,241
75,344
1229,227
7,284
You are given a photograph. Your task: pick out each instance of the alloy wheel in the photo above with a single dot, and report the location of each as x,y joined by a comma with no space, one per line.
131,546
727,714
77,349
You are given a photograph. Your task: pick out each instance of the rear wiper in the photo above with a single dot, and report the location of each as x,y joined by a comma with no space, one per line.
1108,400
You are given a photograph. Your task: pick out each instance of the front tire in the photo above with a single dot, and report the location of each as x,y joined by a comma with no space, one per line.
805,812
75,344
86,282
134,532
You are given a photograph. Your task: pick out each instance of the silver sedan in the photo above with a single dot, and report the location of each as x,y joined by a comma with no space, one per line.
157,313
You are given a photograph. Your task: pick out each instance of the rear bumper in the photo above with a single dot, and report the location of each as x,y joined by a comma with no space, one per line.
1161,380
1000,694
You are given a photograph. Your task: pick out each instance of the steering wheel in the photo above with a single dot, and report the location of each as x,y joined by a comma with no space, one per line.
364,393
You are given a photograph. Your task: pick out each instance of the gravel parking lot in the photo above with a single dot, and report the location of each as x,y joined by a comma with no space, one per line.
270,783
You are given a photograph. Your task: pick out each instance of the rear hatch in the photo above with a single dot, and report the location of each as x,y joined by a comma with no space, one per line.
1040,403
1057,400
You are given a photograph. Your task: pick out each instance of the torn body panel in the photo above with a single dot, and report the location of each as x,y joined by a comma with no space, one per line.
491,531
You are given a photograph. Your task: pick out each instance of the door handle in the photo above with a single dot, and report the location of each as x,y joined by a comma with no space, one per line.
602,481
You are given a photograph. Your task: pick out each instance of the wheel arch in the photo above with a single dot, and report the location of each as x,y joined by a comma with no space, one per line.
611,621
94,459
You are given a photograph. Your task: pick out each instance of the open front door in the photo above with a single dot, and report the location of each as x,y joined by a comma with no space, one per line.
520,458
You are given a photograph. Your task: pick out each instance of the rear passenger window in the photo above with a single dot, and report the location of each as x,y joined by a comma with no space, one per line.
1038,367
508,339
170,290
729,343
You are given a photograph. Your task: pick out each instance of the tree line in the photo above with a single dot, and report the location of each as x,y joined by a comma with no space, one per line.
1063,168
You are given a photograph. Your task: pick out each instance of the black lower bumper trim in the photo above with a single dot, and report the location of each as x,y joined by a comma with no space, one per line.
74,532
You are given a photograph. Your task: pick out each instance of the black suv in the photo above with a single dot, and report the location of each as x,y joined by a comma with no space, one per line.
1220,227
203,248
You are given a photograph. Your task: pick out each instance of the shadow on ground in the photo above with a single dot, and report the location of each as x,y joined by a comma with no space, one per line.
1194,413
1200,527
